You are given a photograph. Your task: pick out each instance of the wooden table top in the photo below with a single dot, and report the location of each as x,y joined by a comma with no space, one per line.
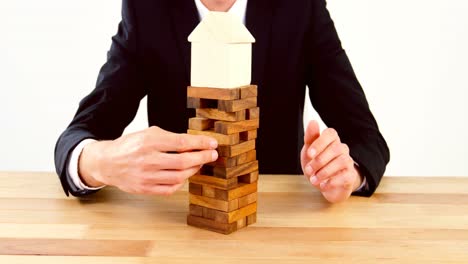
408,220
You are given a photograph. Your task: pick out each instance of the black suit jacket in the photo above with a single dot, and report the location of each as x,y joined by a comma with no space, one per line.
296,45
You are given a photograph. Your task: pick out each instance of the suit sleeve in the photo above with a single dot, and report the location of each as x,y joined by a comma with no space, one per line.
339,99
112,105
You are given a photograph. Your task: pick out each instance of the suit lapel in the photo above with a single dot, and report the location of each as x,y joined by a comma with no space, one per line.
259,20
184,20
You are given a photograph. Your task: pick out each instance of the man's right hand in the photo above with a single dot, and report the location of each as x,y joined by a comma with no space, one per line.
152,161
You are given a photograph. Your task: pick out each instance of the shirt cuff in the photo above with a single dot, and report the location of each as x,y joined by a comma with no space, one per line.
364,186
73,167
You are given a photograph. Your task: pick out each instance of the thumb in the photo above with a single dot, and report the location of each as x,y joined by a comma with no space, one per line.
312,132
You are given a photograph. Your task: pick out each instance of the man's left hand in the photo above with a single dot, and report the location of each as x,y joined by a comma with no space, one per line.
326,163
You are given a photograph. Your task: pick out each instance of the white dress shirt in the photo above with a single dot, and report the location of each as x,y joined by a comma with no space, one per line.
239,8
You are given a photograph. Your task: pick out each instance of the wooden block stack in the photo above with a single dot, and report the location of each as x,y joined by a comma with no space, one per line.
223,196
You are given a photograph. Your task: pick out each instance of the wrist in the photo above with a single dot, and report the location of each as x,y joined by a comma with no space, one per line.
89,164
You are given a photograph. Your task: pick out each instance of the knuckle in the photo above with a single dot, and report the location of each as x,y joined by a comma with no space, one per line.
181,142
347,182
331,132
345,148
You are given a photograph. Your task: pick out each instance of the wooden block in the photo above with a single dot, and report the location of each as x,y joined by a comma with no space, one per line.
208,191
213,93
225,206
225,184
211,225
241,223
234,150
195,188
196,210
201,123
229,217
227,173
248,199
248,91
240,191
248,135
224,162
247,157
252,219
228,128
248,178
237,105
222,139
253,113
229,162
221,115
201,103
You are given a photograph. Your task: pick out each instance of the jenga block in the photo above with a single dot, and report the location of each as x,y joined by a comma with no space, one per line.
200,123
234,150
241,223
195,188
228,128
224,162
227,173
226,206
196,210
208,191
221,115
247,157
252,219
238,192
201,103
248,199
253,113
248,178
248,135
229,217
225,184
222,139
211,225
229,162
213,93
248,91
242,191
237,105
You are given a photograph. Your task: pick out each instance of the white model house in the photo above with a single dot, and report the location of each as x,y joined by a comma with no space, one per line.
221,52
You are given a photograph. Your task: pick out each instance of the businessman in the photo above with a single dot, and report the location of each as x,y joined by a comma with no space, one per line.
296,46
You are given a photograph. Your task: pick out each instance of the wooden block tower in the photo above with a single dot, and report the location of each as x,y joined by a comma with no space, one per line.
223,195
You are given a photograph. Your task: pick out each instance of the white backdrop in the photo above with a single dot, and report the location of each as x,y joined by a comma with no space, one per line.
410,56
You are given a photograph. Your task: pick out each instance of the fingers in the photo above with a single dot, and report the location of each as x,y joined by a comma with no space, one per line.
167,141
341,180
340,163
182,161
328,136
162,189
336,155
312,132
170,177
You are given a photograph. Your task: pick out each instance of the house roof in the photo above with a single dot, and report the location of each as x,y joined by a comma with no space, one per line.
221,27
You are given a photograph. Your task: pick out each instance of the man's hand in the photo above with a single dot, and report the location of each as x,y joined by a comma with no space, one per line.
152,161
326,163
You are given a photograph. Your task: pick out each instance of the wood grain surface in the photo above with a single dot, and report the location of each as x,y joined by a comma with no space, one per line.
408,220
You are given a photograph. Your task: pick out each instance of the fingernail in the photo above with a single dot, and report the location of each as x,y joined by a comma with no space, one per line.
213,144
312,152
309,170
214,155
313,180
